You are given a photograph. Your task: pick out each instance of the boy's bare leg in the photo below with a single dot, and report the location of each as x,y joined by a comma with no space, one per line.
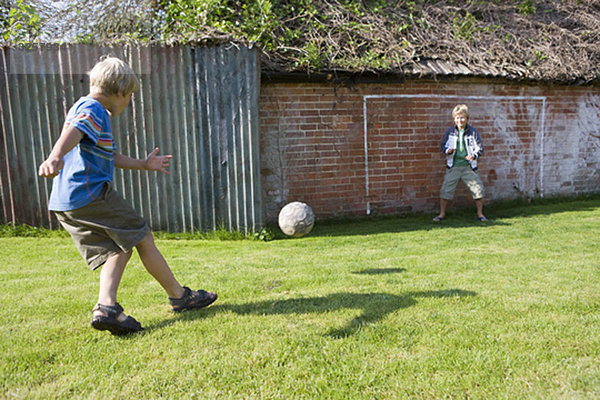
107,314
110,278
157,266
443,205
479,205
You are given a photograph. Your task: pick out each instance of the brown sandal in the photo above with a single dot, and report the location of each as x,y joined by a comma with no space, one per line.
115,321
192,299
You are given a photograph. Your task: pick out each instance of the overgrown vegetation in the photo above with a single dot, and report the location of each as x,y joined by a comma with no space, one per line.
20,22
525,37
539,39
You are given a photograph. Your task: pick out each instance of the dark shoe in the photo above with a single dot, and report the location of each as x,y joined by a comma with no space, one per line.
115,321
192,299
482,219
438,219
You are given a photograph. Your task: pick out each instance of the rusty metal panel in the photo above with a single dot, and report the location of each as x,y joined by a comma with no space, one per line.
198,103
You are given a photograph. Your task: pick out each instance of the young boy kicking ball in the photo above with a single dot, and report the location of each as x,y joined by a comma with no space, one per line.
104,227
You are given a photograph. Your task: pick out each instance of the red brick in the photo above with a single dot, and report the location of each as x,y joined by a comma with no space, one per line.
318,131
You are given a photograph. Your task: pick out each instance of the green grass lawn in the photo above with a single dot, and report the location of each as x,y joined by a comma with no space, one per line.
381,308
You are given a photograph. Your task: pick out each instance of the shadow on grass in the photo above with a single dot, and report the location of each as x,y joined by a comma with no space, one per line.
498,213
376,225
374,306
380,271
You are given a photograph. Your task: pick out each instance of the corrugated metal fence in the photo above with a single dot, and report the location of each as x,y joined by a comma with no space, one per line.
198,103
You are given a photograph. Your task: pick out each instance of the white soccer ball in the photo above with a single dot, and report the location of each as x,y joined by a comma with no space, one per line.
296,219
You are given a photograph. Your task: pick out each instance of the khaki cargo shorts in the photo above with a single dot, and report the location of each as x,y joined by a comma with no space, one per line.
468,176
103,228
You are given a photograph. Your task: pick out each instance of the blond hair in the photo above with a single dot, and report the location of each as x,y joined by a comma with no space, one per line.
112,76
461,109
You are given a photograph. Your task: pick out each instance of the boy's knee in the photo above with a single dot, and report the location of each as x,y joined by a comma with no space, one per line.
121,258
148,240
128,254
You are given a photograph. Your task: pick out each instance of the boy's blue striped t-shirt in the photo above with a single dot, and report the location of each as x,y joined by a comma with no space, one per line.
89,164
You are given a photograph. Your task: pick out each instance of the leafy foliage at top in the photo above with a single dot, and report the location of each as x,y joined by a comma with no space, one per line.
534,39
20,22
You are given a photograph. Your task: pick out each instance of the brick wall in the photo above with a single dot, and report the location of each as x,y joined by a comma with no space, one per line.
374,148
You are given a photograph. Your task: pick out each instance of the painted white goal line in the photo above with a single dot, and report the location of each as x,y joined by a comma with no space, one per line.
433,96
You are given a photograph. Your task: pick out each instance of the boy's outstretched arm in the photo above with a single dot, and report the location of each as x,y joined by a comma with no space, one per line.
68,139
151,163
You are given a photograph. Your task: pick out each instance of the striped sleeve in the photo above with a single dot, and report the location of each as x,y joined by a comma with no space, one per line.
87,123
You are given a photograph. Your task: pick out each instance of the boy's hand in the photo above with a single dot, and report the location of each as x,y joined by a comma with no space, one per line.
68,139
51,167
157,163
